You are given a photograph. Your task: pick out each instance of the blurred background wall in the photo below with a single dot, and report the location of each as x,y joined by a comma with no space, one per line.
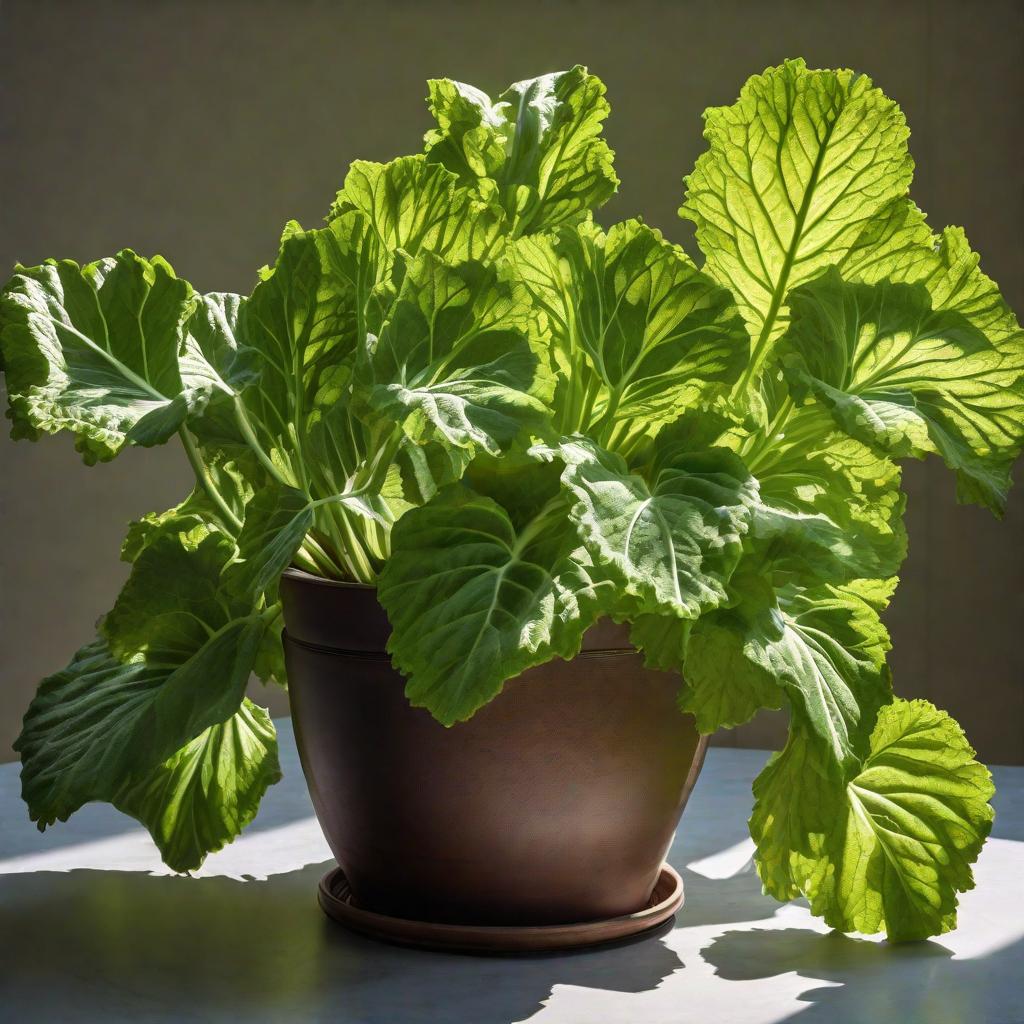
195,130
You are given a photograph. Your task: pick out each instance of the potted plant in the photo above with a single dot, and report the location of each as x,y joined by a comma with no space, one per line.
464,423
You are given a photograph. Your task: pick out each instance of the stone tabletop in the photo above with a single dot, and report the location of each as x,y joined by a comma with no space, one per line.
94,928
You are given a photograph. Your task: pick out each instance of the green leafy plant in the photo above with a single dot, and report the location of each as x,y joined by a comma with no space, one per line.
513,422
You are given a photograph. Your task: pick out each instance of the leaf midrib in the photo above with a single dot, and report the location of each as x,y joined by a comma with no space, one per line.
779,292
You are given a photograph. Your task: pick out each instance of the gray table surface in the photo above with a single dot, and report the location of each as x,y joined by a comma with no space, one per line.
94,928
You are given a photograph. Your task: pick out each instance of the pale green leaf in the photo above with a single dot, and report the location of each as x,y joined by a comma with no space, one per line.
909,378
639,334
537,148
888,846
671,541
411,205
794,171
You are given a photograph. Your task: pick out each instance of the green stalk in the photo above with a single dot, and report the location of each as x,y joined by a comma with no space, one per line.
245,425
206,481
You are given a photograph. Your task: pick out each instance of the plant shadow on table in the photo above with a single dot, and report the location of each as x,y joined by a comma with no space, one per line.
854,980
114,943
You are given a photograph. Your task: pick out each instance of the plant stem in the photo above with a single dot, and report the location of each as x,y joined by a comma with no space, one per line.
206,481
245,425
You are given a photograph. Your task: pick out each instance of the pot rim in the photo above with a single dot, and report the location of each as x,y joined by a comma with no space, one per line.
308,577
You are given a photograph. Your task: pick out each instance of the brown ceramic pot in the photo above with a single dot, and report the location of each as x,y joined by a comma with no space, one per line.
554,803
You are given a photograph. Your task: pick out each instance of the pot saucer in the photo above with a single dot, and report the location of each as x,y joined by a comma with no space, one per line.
336,900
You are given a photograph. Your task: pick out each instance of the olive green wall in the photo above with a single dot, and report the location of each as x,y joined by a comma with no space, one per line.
195,130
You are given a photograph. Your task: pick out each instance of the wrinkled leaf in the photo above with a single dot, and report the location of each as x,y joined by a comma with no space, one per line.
888,846
640,334
537,149
473,601
95,350
671,542
202,797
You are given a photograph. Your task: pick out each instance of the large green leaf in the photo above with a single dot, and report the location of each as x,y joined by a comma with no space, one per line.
794,171
84,739
671,540
410,205
452,363
908,378
824,647
95,350
173,660
301,321
104,719
474,600
537,148
76,729
890,844
214,356
202,797
830,506
640,334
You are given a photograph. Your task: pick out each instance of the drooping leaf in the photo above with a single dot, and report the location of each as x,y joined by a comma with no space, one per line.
890,844
103,720
640,334
473,601
537,148
727,675
671,541
183,649
908,379
452,363
794,171
661,639
76,729
95,350
824,647
202,797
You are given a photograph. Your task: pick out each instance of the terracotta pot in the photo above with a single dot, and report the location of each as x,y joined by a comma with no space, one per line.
554,803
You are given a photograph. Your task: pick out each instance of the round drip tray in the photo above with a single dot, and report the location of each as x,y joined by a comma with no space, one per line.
336,900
